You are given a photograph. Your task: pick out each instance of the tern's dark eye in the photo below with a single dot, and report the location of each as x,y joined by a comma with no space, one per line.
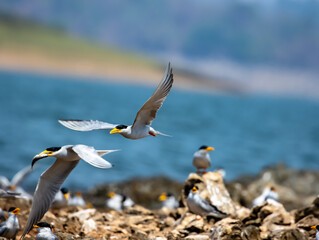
53,149
121,126
203,147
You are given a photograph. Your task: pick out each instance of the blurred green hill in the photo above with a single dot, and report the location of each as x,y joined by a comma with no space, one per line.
281,33
27,45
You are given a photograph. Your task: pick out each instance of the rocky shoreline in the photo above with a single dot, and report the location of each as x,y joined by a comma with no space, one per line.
290,218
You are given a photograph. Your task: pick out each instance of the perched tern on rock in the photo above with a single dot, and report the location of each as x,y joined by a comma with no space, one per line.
10,228
269,192
142,125
67,157
45,231
118,202
201,159
197,205
61,198
77,200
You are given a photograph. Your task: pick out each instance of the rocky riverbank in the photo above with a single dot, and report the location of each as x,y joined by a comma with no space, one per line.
289,218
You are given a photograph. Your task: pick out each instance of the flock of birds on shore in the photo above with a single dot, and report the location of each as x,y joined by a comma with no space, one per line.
49,193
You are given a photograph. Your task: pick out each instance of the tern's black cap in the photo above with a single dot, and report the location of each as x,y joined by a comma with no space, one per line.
121,126
53,149
64,190
11,209
203,147
43,224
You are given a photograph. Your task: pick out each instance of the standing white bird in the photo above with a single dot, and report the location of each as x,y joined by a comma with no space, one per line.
269,192
10,227
77,200
67,157
197,205
45,231
61,199
142,125
317,231
118,202
168,200
201,158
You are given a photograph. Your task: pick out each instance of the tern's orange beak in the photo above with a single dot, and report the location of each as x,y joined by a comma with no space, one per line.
16,211
115,130
194,189
210,149
66,195
111,194
313,227
162,197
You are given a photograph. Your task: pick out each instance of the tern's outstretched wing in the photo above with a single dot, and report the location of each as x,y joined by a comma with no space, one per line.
20,176
48,185
147,113
86,125
91,156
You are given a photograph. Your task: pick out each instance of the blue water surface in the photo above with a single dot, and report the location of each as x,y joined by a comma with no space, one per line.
247,132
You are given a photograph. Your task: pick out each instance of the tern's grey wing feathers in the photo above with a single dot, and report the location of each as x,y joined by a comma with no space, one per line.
86,125
147,113
48,185
91,156
20,176
210,209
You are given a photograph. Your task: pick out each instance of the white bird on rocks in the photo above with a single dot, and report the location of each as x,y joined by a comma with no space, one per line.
168,200
10,227
201,159
77,200
118,202
197,205
61,199
142,125
67,157
269,192
45,231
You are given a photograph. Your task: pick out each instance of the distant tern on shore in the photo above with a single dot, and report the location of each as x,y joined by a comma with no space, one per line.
118,202
269,192
168,200
197,205
201,159
142,125
67,157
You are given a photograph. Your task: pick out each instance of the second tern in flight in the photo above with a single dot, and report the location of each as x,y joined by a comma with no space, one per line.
67,157
142,125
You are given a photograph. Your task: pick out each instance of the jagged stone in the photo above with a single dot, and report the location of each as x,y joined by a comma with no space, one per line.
289,234
226,229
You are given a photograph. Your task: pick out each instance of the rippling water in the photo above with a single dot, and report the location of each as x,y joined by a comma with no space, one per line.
248,132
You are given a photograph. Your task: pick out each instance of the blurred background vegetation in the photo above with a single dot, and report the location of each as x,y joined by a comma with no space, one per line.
212,39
